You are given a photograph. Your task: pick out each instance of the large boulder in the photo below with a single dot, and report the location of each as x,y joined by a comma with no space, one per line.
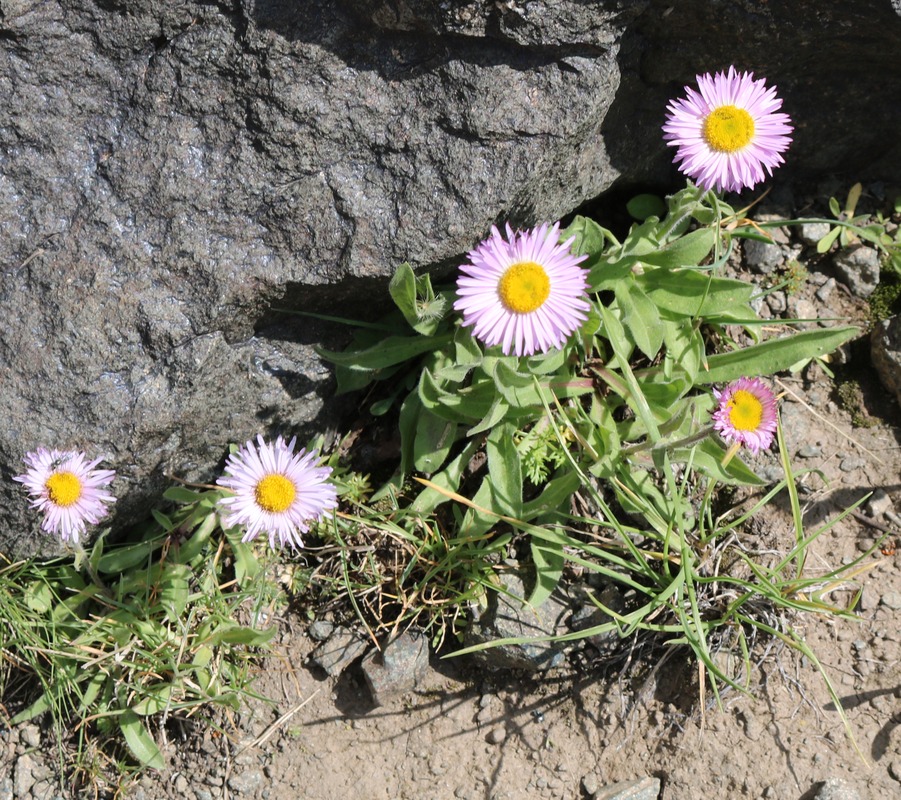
172,175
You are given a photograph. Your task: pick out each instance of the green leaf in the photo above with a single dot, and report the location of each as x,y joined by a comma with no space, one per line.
246,565
434,438
162,520
499,409
122,559
686,251
684,347
554,494
708,457
462,405
232,633
390,351
406,289
182,494
828,240
590,238
402,289
410,410
197,541
548,559
139,741
505,471
449,479
174,589
774,355
643,206
38,707
690,293
640,318
155,701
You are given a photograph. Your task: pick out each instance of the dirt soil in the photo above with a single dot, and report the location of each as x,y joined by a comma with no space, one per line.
471,734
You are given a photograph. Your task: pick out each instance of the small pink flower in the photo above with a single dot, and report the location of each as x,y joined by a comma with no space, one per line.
728,133
68,489
525,293
276,491
746,413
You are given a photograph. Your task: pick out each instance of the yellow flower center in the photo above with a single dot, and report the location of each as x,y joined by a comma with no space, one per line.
728,129
275,493
63,488
524,287
745,411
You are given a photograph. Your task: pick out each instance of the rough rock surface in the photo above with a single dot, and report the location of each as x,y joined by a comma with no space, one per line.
172,173
885,351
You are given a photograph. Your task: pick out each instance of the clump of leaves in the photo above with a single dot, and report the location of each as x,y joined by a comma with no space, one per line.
158,629
886,298
850,228
616,424
850,398
796,276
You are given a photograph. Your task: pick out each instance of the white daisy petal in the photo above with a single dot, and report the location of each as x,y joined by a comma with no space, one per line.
747,135
275,491
68,489
525,292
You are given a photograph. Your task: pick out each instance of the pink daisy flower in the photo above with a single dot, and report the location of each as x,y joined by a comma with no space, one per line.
525,293
276,491
728,133
68,489
746,414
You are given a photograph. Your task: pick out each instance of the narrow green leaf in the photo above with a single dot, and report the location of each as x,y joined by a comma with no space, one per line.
554,494
139,741
640,318
155,701
505,471
434,438
686,251
38,707
548,559
402,289
390,351
448,479
690,293
121,559
774,355
174,589
828,240
182,494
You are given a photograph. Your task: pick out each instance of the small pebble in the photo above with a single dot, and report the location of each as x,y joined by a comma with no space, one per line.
30,735
850,464
825,291
811,232
496,735
320,630
892,600
810,451
590,784
879,503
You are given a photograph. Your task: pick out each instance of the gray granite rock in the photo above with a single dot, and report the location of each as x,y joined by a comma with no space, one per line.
858,268
398,668
837,789
341,648
508,616
885,353
762,257
641,789
175,173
